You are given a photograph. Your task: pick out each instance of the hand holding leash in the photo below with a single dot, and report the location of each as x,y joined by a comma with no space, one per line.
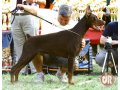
20,6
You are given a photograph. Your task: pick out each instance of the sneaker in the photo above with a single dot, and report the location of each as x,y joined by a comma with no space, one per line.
85,62
62,78
24,71
40,77
76,62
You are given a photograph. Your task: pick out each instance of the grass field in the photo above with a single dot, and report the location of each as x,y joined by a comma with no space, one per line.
82,82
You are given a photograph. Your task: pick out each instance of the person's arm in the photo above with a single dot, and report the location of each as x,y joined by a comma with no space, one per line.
46,14
103,39
37,1
96,27
31,9
99,28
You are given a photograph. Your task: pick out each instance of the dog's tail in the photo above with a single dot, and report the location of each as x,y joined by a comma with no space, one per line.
28,36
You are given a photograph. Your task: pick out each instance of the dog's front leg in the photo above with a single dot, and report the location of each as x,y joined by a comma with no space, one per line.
70,69
12,75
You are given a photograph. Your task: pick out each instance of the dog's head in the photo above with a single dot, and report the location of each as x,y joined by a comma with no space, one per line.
93,20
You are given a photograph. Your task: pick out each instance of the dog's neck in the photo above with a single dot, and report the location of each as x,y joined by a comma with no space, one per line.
81,27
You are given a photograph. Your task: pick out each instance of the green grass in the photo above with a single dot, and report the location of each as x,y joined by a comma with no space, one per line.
82,82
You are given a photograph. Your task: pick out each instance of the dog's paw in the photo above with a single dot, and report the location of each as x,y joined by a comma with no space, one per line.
71,83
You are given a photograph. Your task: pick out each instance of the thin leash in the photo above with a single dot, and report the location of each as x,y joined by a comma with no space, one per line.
16,9
13,12
51,23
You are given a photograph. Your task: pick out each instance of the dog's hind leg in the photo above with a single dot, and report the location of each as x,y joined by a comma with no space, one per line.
15,71
70,70
12,75
23,61
20,66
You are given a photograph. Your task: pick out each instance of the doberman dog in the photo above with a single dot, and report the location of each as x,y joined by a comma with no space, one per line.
65,43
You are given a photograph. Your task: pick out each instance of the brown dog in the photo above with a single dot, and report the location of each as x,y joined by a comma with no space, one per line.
50,60
65,43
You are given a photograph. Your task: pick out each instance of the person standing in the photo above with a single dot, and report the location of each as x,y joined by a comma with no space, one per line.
22,23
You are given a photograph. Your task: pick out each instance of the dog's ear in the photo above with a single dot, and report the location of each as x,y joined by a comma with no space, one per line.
28,36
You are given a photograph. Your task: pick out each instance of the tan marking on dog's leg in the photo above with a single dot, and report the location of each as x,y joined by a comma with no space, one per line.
63,70
38,62
12,78
16,75
12,75
70,70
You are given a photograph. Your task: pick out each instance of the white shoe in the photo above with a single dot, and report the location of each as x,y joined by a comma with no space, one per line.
40,77
85,62
62,78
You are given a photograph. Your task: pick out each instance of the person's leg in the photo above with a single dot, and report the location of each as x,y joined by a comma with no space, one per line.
13,55
29,28
61,74
18,38
115,56
38,63
100,57
94,49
